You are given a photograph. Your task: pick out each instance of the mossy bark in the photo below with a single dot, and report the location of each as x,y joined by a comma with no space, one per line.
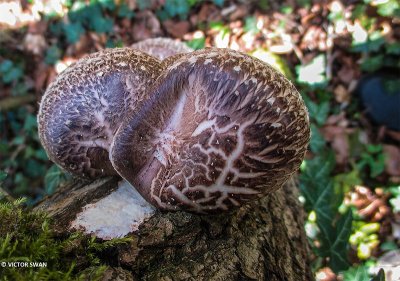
264,240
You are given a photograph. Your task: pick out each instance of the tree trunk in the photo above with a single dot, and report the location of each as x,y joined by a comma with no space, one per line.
264,240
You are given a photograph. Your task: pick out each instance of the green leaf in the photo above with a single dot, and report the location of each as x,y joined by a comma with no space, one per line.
389,8
376,40
315,182
101,24
33,168
343,183
219,3
359,273
388,246
3,176
374,159
143,4
317,112
374,148
53,178
250,25
177,8
53,54
317,143
373,63
316,186
393,48
6,66
13,74
107,4
41,154
196,43
73,32
30,123
125,12
338,251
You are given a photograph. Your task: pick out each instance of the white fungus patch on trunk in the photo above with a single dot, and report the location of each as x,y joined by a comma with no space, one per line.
116,215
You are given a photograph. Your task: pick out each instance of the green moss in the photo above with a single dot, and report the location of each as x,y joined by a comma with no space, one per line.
26,237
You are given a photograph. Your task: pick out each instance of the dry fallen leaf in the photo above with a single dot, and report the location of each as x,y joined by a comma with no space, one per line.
370,205
34,43
393,134
336,132
325,274
41,76
341,94
146,26
346,74
208,13
176,29
392,159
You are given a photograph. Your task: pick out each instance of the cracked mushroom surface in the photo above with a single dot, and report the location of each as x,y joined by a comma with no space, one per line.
220,128
82,109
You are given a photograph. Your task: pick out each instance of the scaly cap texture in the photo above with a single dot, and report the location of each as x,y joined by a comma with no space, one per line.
220,128
82,109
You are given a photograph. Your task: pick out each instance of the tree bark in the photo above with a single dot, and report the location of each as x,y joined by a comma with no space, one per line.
263,240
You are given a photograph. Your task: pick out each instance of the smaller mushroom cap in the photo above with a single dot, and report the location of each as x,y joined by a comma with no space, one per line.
82,109
162,48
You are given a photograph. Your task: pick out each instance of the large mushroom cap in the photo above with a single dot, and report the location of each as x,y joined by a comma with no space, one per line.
221,128
82,109
162,48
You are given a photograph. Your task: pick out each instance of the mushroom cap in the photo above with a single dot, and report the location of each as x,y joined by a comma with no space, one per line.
162,48
82,109
220,128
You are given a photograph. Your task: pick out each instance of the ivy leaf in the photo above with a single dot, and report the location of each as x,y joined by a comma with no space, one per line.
12,75
6,66
52,55
318,112
196,43
315,182
179,8
101,24
108,4
316,186
338,250
143,4
359,273
317,143
389,8
53,178
3,176
125,12
33,168
10,72
250,25
219,3
372,63
393,48
73,32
